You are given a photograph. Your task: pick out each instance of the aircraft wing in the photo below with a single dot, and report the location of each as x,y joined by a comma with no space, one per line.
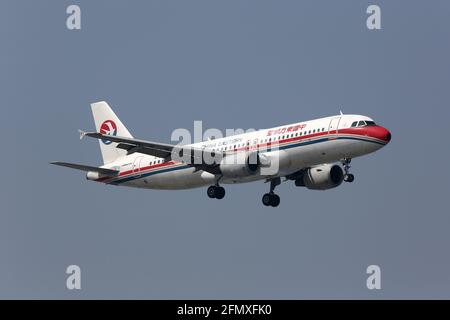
103,171
160,150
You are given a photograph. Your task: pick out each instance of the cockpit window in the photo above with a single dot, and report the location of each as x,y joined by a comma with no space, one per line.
363,123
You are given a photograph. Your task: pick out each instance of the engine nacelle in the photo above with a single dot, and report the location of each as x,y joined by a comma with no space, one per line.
322,177
91,175
239,165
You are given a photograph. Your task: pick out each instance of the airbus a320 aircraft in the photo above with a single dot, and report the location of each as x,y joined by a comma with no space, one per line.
314,154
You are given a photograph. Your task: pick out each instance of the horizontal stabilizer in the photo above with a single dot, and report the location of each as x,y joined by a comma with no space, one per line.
103,171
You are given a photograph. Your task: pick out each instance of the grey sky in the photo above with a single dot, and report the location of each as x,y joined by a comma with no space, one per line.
232,64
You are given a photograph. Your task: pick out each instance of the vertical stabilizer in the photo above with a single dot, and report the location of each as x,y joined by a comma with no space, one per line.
107,122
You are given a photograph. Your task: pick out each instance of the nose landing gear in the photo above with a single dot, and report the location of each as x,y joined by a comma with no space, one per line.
348,177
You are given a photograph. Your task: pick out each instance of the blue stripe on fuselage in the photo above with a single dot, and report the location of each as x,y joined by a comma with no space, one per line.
144,175
289,146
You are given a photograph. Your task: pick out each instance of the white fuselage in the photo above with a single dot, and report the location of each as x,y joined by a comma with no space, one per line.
295,146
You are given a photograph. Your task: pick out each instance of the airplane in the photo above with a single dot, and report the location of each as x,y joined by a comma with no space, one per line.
314,154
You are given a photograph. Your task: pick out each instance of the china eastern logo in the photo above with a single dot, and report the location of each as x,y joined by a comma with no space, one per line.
109,128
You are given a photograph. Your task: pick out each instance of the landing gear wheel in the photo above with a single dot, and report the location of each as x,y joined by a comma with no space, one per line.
220,192
275,200
211,192
349,177
267,199
271,199
216,192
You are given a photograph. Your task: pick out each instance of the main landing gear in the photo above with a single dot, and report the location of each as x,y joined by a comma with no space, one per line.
216,192
272,199
348,177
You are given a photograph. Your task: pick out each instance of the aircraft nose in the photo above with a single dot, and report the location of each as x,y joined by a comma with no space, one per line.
383,134
388,136
380,133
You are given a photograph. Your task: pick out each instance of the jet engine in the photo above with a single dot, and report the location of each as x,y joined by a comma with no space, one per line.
321,177
241,164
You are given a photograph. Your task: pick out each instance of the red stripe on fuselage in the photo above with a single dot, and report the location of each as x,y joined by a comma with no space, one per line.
376,132
124,173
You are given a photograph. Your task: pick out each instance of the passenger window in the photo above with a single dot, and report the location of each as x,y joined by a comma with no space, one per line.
354,124
361,123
